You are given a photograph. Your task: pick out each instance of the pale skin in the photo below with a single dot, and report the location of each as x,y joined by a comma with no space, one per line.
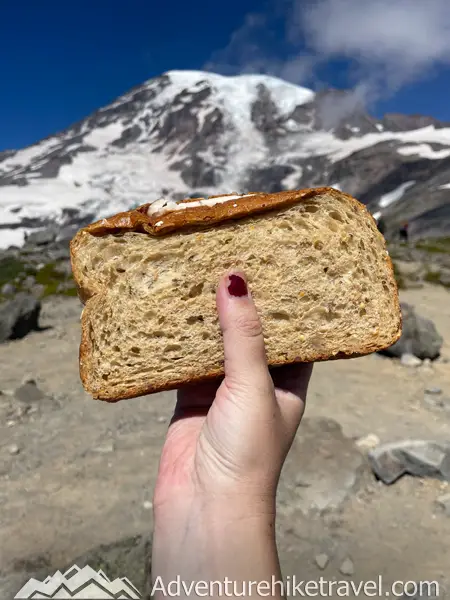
214,500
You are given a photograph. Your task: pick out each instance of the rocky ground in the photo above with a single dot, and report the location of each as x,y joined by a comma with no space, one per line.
77,475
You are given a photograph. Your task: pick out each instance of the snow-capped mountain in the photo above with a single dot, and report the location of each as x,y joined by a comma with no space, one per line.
194,133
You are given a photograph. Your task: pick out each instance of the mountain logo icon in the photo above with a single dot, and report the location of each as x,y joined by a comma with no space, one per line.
83,583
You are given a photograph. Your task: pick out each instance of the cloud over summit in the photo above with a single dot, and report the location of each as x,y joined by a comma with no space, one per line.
387,43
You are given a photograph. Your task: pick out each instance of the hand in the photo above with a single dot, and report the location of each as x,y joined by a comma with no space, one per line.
228,439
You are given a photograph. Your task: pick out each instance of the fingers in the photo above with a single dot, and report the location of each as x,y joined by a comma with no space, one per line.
195,399
291,387
245,357
293,378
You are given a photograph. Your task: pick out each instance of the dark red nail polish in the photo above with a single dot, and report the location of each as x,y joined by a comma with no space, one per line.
237,286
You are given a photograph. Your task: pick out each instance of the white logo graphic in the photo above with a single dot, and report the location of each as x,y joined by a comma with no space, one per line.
79,583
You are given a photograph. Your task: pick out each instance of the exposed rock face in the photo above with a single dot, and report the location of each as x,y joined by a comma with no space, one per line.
19,316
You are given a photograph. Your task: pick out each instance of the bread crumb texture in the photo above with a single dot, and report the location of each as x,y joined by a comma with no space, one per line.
319,273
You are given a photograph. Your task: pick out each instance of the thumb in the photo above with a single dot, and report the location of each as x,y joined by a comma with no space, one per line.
245,366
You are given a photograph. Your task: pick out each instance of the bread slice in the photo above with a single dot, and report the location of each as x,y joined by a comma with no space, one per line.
317,266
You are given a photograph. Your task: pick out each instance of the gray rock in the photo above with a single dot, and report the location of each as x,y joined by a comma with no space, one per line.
347,567
8,289
60,252
419,336
38,290
64,267
321,560
106,448
409,360
443,503
29,282
326,463
13,449
420,458
67,233
19,316
29,392
433,390
437,401
63,286
42,237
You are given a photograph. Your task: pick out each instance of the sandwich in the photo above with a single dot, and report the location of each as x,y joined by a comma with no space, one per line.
317,267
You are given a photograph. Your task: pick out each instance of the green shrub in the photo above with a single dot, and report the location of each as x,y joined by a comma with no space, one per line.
11,268
435,246
432,277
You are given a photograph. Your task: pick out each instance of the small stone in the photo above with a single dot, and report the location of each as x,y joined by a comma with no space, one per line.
10,423
21,410
443,503
8,289
433,390
321,560
437,401
409,360
28,282
161,419
347,567
14,449
426,365
147,505
104,448
299,482
368,442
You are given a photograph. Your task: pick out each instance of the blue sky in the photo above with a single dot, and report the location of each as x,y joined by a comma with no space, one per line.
61,61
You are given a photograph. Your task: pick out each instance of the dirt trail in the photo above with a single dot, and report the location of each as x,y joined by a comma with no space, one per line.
76,473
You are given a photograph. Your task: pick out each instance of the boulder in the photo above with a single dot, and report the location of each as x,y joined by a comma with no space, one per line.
42,237
420,458
19,316
419,336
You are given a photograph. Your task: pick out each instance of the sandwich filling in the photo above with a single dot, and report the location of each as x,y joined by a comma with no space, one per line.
163,205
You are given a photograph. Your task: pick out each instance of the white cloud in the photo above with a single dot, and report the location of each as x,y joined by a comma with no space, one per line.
392,41
254,48
388,43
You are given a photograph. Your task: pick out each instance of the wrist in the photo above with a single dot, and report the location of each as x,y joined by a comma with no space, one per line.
215,541
222,508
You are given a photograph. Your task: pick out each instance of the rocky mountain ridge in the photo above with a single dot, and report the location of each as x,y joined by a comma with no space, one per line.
193,133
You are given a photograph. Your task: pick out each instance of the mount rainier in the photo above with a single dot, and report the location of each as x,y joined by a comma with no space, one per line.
191,133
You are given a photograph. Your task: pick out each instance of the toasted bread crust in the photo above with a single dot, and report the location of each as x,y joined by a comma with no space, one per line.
140,221
171,221
106,394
